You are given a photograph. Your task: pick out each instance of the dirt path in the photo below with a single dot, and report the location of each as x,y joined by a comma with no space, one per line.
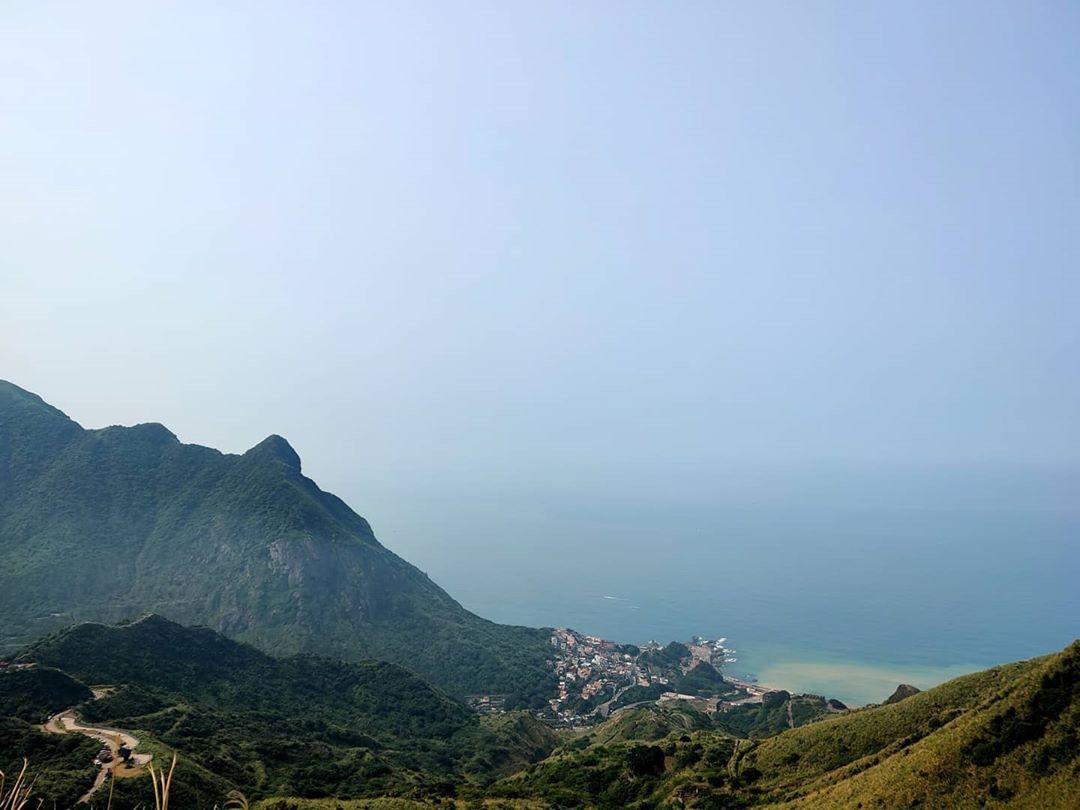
67,722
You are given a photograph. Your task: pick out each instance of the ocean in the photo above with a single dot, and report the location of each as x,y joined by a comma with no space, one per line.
844,599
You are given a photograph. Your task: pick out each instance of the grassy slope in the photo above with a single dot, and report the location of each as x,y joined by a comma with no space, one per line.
1008,735
654,722
1017,745
806,754
108,524
777,712
395,804
649,723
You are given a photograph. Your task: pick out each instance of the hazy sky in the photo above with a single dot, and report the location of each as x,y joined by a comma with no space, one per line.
599,246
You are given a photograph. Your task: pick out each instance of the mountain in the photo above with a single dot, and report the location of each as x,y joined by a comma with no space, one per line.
302,725
108,524
1008,736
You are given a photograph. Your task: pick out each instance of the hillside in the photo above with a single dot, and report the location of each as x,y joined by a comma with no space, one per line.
778,711
291,730
106,525
649,723
1006,736
59,765
303,725
33,693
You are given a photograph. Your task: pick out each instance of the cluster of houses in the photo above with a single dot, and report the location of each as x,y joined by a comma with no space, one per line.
487,704
586,666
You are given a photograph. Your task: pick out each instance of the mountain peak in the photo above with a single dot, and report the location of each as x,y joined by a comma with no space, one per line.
276,447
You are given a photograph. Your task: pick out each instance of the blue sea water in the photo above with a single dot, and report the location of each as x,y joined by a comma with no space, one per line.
837,596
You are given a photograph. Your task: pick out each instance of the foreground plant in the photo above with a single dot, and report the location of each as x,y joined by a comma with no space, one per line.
17,797
162,785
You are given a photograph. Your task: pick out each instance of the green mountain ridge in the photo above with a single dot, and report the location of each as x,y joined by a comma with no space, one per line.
106,525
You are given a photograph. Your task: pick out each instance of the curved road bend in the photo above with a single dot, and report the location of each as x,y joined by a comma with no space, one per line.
66,722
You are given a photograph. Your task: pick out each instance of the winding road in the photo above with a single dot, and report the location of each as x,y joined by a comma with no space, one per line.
67,722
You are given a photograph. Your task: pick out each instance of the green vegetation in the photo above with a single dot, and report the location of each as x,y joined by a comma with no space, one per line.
106,525
777,711
650,723
34,693
301,726
291,731
62,765
666,657
1006,736
904,690
702,679
751,720
628,774
395,804
638,694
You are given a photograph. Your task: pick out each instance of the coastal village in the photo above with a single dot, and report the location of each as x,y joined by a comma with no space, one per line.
597,676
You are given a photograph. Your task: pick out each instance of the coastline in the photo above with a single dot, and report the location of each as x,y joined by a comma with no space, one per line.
856,683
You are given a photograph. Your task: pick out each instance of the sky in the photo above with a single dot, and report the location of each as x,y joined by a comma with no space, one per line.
627,251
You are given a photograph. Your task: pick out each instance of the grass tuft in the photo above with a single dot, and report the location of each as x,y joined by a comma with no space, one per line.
162,785
18,796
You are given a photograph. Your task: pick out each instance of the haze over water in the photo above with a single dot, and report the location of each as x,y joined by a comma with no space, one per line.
846,600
